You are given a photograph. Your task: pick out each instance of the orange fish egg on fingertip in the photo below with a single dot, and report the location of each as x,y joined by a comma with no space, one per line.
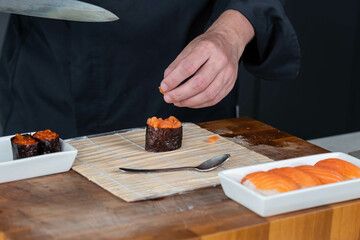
162,91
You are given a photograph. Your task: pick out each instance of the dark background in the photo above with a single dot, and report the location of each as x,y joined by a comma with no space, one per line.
324,100
3,22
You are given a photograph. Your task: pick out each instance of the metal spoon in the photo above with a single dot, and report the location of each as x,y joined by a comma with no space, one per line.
208,165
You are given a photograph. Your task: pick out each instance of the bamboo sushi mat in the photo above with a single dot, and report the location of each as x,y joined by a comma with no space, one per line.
99,159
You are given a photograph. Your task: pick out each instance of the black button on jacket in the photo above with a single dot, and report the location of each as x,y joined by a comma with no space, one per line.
83,78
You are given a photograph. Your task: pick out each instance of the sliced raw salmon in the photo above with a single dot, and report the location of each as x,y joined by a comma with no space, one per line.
269,183
346,169
323,174
302,178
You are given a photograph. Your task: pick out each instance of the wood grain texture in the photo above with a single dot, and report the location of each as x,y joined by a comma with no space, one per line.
262,138
306,224
345,221
68,206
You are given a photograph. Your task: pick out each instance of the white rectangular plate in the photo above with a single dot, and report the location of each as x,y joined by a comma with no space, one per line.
12,170
289,201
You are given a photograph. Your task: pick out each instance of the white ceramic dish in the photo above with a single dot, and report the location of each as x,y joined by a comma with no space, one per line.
290,201
12,170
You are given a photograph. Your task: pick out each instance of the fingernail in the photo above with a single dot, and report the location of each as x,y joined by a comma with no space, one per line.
167,98
164,87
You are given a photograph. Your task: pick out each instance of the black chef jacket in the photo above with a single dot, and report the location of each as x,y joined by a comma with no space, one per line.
83,78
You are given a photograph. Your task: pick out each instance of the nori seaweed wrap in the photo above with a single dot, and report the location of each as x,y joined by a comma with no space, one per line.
163,135
24,146
48,141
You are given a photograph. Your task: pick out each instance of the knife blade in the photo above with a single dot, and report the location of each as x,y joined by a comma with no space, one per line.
65,9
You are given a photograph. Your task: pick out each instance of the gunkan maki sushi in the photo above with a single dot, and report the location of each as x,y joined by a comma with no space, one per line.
48,141
24,146
163,135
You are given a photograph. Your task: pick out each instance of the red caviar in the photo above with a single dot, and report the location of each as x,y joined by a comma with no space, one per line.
23,139
170,122
46,134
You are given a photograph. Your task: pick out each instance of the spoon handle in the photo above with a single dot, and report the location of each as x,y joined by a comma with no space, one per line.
131,170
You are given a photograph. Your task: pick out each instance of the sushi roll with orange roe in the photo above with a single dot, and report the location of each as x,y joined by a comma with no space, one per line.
163,134
302,178
346,169
49,141
268,183
24,146
323,174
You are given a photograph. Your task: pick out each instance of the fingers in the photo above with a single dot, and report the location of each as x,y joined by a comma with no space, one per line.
184,67
210,65
215,100
213,94
195,85
177,60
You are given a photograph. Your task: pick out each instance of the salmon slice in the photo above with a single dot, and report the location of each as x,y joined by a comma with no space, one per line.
269,183
302,178
323,174
346,169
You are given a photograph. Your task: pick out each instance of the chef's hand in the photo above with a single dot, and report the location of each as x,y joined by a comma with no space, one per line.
210,62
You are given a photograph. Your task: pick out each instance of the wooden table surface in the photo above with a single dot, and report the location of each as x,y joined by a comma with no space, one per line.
68,206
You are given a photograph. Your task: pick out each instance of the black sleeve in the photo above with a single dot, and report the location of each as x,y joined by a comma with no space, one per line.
274,53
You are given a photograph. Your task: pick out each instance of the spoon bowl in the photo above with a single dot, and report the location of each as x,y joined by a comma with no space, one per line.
208,165
213,163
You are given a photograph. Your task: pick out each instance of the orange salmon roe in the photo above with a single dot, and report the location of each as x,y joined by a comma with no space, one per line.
46,134
162,91
23,139
213,139
170,122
